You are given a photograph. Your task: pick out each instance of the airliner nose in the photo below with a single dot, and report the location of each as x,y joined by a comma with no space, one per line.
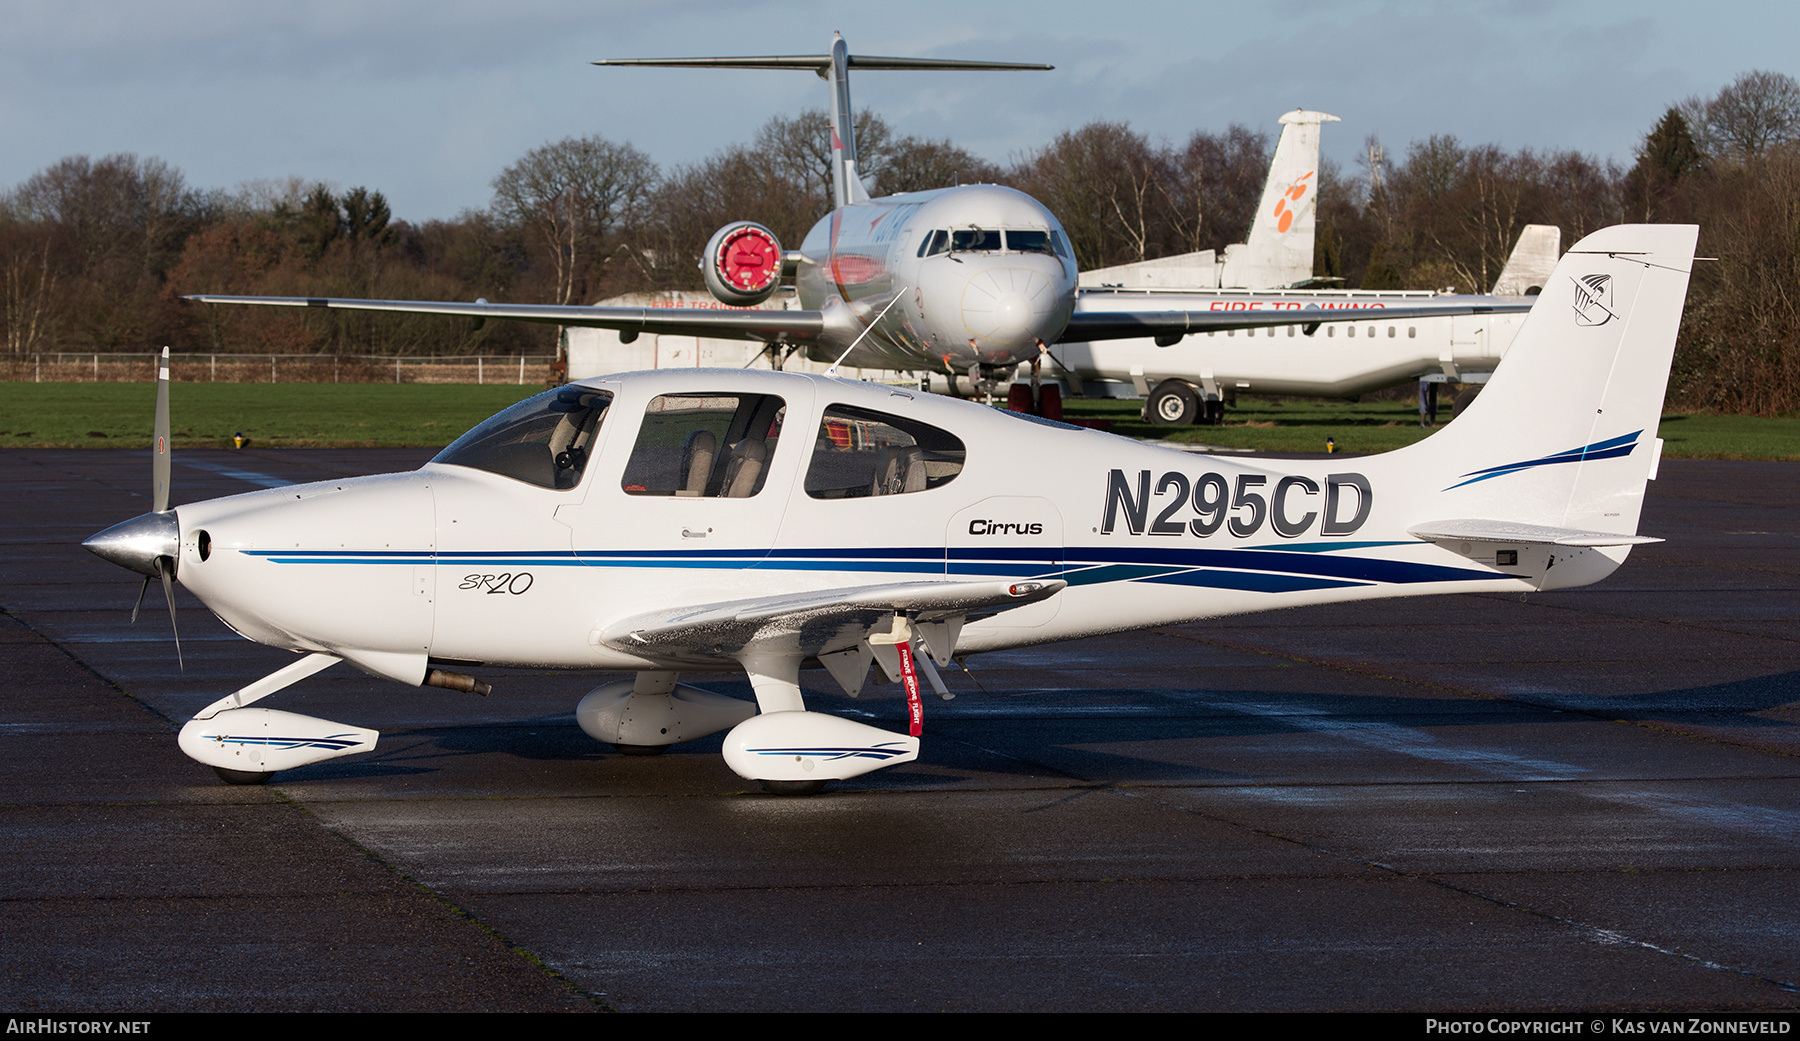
1007,305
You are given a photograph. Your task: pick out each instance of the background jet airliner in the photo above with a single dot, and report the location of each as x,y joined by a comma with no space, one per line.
964,280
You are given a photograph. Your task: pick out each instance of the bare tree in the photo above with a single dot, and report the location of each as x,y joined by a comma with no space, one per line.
1217,182
799,151
571,194
917,165
1108,186
1755,112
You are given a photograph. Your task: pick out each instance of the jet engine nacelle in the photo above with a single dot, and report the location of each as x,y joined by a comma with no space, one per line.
742,264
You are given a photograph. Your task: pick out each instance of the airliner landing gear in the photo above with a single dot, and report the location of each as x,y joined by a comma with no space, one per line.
1047,403
1173,403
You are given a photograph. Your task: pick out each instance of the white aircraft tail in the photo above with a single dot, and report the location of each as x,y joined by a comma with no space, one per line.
834,68
846,183
1280,250
1557,448
1533,258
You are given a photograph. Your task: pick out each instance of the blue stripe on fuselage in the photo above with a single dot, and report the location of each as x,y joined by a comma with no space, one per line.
1277,568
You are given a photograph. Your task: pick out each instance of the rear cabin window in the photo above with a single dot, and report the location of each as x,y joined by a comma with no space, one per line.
544,440
860,453
705,445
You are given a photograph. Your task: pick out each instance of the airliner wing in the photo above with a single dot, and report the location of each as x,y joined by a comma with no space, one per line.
799,327
1170,326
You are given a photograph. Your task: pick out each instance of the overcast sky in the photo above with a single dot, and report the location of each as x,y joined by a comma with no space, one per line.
428,101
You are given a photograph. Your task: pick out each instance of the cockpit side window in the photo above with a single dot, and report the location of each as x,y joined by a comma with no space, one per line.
862,453
544,440
935,243
698,445
975,240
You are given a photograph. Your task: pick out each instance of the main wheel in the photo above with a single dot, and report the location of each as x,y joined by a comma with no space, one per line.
1173,404
640,749
792,787
242,776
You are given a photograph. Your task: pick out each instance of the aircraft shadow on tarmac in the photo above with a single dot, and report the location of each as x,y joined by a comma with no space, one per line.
1708,704
1111,736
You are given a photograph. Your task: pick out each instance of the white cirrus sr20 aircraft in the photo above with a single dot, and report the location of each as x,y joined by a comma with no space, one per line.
704,521
968,280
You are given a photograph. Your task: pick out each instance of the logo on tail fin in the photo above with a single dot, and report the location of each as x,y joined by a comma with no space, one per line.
1294,194
1593,300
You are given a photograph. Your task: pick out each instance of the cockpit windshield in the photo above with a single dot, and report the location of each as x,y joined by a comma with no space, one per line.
544,440
1028,241
974,240
989,240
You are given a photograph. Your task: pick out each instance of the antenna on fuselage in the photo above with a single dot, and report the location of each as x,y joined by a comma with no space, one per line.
834,69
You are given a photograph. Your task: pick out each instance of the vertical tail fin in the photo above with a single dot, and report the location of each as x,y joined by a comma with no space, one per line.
1533,258
846,183
1564,434
1280,250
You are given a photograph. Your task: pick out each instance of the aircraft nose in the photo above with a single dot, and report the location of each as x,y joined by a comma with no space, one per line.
137,543
1007,305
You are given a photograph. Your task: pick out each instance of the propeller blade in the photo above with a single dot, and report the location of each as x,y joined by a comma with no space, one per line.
169,595
159,461
145,588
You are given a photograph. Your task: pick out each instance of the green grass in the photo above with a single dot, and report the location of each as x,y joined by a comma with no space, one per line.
1299,425
431,414
206,415
1700,436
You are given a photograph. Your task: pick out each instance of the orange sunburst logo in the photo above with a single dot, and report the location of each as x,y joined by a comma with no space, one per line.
1284,212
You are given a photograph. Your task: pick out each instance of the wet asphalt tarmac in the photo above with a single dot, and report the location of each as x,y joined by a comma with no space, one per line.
1576,800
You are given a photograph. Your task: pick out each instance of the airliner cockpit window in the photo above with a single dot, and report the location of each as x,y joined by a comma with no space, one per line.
1028,241
544,440
935,243
861,453
700,445
975,240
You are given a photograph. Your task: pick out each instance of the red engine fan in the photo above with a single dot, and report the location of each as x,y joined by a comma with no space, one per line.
742,264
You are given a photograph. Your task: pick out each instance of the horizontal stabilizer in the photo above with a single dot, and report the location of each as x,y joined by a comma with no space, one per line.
1524,534
820,62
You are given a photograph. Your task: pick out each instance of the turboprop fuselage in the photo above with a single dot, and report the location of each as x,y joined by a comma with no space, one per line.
959,277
